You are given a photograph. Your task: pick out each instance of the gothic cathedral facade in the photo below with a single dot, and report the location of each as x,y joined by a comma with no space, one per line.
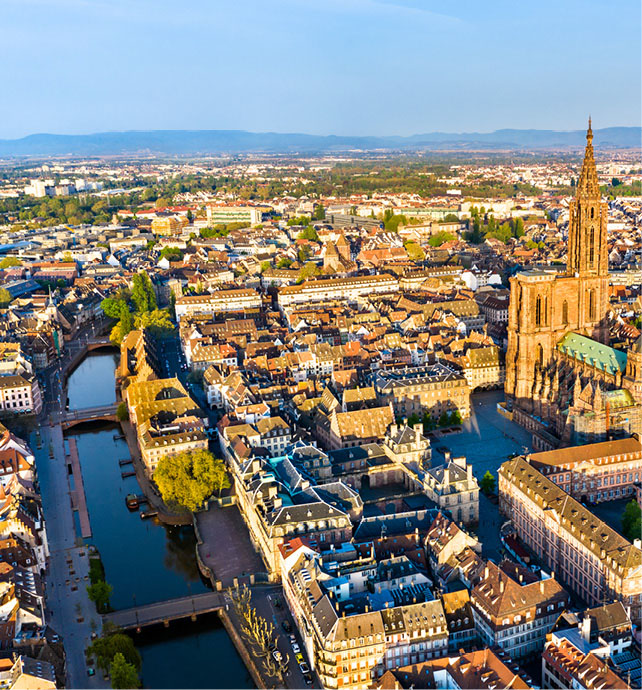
559,365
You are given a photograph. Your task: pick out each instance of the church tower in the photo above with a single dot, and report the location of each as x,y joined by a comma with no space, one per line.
546,305
587,250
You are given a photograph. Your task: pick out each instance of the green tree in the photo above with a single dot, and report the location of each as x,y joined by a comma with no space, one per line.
309,270
187,480
113,307
67,257
113,642
319,212
171,253
284,262
518,228
99,593
265,266
5,298
122,413
143,293
123,674
10,261
487,483
440,238
415,252
632,521
157,321
309,234
304,253
299,220
615,182
451,218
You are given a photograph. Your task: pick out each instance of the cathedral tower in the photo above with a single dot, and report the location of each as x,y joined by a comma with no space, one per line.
587,251
546,305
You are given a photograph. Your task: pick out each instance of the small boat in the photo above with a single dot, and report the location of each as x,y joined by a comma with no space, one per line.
132,502
148,514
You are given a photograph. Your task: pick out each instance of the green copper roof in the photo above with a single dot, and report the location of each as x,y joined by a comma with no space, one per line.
593,353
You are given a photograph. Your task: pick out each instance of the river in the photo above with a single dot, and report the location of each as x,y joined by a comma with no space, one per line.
144,560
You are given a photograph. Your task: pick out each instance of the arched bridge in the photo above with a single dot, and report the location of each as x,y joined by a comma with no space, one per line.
166,611
106,413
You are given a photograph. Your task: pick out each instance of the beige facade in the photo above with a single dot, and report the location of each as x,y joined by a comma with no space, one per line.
587,555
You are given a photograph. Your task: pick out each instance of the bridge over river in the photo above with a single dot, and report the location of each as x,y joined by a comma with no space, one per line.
85,414
166,611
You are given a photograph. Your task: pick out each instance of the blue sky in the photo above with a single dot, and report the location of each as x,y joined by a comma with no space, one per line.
317,66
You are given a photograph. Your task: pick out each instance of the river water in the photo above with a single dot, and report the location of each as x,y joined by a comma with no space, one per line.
144,560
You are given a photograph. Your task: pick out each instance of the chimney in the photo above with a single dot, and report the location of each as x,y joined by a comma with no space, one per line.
541,586
447,456
446,476
469,472
585,627
501,586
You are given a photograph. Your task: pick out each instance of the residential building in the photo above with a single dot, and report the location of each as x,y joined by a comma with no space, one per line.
588,556
516,614
242,299
595,472
454,489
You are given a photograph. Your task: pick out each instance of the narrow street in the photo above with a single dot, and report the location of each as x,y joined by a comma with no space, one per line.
71,614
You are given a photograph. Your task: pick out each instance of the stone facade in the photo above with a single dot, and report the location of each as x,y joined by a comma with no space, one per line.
561,389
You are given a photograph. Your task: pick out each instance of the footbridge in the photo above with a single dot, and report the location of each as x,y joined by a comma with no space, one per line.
106,413
166,611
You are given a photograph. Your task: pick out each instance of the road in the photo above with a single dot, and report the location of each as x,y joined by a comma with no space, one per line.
71,614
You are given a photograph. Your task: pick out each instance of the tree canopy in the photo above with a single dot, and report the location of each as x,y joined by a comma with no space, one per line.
187,480
309,234
143,293
487,483
105,648
440,238
157,321
123,674
415,252
10,261
632,521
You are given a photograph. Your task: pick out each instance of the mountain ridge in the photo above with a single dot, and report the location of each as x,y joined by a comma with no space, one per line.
193,142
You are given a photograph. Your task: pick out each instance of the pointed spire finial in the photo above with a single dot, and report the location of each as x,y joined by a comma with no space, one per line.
589,131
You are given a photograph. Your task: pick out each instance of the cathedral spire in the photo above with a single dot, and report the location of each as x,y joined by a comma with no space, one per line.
588,185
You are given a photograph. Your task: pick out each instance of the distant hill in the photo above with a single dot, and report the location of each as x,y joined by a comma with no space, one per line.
187,142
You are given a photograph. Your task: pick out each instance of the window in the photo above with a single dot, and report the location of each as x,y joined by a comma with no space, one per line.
565,312
591,307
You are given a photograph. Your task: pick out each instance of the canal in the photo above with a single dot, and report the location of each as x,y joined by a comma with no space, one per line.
144,560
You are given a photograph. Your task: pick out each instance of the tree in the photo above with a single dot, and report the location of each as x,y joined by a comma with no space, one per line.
122,413
632,521
5,298
451,218
440,238
415,252
265,266
284,262
299,220
157,321
186,480
99,593
319,212
143,293
309,269
487,484
123,674
171,253
67,258
309,234
615,182
10,261
304,253
113,642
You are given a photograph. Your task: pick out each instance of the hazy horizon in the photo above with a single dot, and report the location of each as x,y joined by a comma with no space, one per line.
331,67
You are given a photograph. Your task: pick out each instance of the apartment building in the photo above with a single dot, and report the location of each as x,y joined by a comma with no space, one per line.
241,299
516,614
483,669
482,367
585,554
434,389
167,420
595,472
336,289
453,488
231,213
19,394
350,641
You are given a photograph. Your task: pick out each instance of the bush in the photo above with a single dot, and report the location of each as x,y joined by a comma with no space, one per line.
122,413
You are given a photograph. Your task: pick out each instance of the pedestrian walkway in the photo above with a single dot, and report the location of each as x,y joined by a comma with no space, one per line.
78,498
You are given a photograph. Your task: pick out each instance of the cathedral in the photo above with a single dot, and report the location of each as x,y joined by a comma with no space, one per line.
563,380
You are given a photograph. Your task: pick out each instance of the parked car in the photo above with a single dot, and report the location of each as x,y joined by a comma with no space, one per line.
304,668
286,626
295,648
307,678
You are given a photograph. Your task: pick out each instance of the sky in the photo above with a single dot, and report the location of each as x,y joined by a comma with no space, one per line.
348,67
